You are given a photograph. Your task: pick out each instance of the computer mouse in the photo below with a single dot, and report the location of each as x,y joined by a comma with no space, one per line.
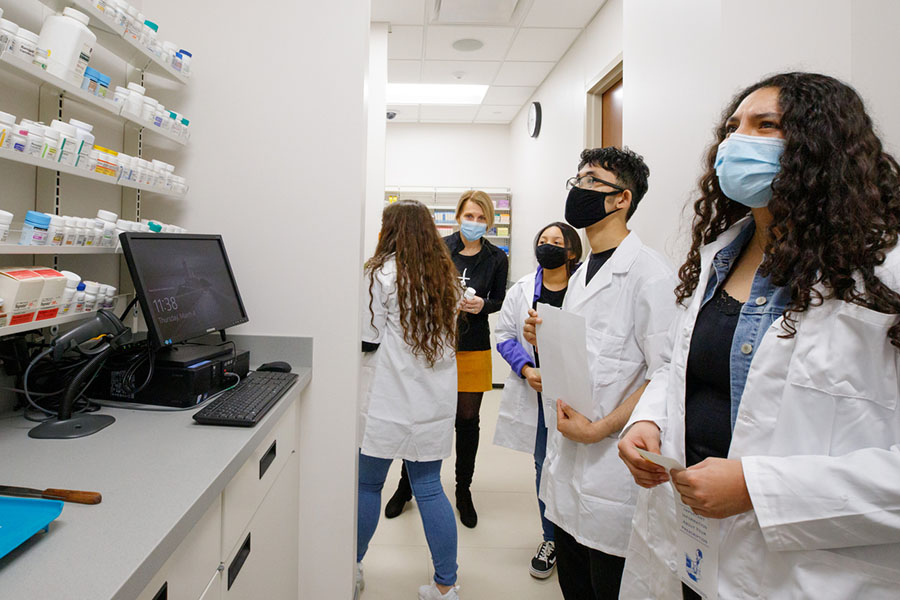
277,366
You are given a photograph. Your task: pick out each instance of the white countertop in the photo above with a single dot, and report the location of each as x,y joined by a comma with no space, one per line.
158,474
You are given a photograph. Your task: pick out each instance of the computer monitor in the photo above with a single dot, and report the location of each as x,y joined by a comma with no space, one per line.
184,284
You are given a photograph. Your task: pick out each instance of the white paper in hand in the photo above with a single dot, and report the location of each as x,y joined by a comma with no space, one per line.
562,346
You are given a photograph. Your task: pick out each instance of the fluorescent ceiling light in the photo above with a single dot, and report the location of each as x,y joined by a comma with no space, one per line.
435,93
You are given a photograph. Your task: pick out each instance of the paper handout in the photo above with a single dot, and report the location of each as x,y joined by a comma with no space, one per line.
562,345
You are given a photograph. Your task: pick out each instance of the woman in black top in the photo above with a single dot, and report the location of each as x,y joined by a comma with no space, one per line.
484,268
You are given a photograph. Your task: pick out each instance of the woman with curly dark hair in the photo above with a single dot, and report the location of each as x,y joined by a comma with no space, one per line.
781,394
409,336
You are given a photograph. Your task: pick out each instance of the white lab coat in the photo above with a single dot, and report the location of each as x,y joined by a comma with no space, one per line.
628,306
517,419
818,434
409,408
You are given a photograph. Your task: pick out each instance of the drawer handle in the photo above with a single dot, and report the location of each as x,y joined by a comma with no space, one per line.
266,461
238,561
163,593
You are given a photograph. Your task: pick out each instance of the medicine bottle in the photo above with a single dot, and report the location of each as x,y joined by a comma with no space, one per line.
35,146
83,232
78,301
185,132
85,142
69,42
5,221
106,162
51,144
120,96
90,295
151,40
134,25
71,231
148,110
109,236
105,216
122,14
19,139
186,58
34,231
68,142
8,31
154,227
110,303
134,104
91,81
178,61
26,44
7,124
57,231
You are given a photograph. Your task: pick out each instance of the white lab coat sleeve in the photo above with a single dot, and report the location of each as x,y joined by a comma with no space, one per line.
508,322
374,320
822,502
654,312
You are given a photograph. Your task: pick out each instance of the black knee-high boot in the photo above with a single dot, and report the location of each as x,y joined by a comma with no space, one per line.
403,495
466,448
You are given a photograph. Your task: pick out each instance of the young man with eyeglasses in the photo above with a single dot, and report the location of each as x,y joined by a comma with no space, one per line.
625,291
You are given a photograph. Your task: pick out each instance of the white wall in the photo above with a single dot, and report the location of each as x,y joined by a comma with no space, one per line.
377,126
277,165
447,155
541,166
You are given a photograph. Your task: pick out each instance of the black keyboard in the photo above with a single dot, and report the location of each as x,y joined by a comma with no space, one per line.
248,402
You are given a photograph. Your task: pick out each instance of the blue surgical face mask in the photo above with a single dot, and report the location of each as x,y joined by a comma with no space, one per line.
746,166
472,230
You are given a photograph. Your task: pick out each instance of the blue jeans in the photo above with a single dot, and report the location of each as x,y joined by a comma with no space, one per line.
437,514
540,452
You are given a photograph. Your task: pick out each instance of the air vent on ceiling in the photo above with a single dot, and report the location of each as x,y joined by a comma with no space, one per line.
478,12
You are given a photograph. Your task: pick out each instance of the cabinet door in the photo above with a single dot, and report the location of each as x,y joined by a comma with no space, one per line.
187,572
264,564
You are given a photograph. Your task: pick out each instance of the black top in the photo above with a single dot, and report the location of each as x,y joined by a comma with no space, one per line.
596,261
552,298
708,384
486,272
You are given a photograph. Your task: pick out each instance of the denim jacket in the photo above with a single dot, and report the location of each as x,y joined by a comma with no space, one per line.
765,304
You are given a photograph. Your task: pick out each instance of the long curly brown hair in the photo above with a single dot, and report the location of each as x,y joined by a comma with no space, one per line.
835,201
428,289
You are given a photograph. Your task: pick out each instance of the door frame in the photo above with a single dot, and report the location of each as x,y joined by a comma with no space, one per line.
608,77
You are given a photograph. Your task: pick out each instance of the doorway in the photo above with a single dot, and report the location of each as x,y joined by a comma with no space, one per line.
605,98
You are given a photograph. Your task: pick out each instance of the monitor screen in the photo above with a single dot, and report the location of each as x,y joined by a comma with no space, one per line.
184,284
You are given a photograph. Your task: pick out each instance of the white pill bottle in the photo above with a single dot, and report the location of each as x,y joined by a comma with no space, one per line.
69,44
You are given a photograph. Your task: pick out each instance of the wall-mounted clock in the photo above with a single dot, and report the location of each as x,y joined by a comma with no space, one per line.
534,119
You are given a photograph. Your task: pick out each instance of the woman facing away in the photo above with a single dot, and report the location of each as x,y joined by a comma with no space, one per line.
409,409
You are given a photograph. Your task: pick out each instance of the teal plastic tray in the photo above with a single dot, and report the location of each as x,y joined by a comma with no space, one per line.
21,518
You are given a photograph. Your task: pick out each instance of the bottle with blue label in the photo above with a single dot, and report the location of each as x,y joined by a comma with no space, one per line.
34,231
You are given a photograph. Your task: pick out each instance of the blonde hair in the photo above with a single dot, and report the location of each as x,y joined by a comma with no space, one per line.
482,200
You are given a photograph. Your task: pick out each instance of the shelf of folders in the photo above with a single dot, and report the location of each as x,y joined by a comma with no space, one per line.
130,104
69,148
124,31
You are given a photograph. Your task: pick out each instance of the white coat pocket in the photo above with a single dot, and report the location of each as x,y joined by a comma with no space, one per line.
605,356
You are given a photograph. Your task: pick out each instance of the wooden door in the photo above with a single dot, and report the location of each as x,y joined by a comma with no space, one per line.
612,116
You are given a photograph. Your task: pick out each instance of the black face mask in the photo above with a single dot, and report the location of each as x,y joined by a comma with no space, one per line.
550,256
586,207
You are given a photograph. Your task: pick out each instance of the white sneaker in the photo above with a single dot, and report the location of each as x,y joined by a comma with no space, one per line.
360,580
430,592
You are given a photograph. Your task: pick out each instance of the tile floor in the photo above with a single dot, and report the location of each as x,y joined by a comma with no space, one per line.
493,557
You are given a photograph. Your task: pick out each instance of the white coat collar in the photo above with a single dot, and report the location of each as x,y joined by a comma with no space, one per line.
620,262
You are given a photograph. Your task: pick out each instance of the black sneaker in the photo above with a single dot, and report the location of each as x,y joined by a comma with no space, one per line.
544,560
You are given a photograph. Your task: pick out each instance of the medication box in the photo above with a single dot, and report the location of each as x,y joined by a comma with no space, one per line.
51,294
21,291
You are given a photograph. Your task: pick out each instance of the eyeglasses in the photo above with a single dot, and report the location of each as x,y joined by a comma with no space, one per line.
589,182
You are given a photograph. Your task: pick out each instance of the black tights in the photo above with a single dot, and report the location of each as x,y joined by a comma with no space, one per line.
468,404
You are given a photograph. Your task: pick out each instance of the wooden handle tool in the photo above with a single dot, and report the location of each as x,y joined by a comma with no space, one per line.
52,494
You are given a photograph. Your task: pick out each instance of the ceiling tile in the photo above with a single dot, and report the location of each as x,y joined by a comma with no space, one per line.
399,12
404,71
406,113
523,73
439,42
542,44
507,96
459,71
562,13
405,42
476,11
447,114
496,114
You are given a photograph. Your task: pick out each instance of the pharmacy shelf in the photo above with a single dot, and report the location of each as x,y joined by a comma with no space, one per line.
21,157
112,37
11,329
52,250
11,63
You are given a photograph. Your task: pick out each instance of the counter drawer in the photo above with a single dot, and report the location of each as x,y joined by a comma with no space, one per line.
244,493
187,572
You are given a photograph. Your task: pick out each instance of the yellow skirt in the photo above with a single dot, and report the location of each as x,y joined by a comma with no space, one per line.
473,371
